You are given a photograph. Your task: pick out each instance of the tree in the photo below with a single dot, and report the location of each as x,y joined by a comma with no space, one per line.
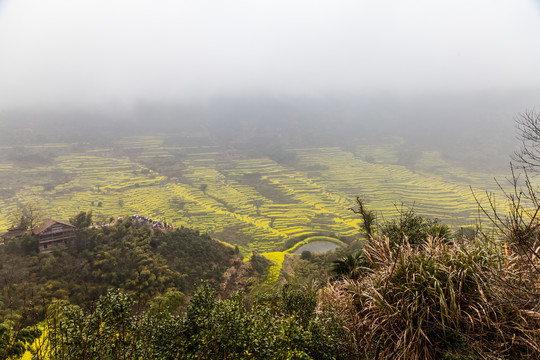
171,302
413,227
29,244
528,129
280,325
520,227
28,216
105,333
203,188
81,220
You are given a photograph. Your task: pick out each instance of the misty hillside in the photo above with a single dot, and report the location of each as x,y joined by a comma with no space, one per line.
259,172
335,180
466,127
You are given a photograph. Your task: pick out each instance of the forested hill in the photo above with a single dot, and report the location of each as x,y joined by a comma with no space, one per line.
144,262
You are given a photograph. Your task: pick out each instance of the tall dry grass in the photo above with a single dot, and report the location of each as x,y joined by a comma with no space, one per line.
438,300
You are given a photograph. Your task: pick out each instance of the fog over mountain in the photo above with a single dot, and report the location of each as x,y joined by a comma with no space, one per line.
64,53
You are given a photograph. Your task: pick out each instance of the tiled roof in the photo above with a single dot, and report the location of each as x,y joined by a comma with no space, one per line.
47,224
14,232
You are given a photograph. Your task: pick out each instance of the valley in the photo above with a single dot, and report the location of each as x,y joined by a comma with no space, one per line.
255,202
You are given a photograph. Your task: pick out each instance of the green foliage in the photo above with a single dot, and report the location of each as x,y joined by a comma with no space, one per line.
413,227
29,244
24,223
319,266
282,326
75,334
26,245
105,332
285,326
169,303
299,301
81,220
137,259
350,266
14,342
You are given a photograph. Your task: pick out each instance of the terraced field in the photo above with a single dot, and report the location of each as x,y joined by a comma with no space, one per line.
384,185
254,202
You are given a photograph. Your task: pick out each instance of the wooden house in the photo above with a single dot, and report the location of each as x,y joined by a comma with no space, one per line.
52,233
14,232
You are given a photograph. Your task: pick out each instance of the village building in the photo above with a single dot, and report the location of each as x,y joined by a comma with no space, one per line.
52,233
14,232
49,234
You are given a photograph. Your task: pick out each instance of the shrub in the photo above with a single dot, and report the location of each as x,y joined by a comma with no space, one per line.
306,255
413,227
438,300
350,266
14,342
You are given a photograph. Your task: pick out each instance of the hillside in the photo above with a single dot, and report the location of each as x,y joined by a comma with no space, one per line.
144,262
253,201
437,300
270,202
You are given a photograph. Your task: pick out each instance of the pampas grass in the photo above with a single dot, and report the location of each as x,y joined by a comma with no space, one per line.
439,300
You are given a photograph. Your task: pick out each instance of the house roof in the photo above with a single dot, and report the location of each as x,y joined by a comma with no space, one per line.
47,224
14,232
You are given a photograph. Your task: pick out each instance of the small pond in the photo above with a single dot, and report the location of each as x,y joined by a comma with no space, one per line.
317,247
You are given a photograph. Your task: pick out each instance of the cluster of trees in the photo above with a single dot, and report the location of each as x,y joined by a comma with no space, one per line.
137,259
280,325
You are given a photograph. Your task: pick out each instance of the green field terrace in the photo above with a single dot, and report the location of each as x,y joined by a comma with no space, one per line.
251,201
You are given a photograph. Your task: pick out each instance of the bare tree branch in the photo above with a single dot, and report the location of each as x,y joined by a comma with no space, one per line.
528,129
